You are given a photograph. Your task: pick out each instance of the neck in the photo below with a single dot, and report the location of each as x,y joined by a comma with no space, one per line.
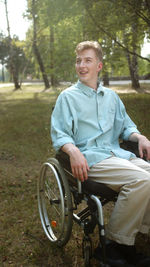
92,85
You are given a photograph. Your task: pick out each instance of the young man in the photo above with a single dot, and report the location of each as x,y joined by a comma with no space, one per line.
87,123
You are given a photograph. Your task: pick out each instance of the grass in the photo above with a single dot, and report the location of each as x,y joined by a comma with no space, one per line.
24,145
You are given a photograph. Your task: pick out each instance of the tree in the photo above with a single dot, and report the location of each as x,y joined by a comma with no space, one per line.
3,54
11,63
54,15
59,29
62,24
142,11
97,8
123,30
18,57
20,61
36,50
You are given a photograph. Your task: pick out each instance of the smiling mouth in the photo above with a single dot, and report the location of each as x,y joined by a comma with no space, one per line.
82,73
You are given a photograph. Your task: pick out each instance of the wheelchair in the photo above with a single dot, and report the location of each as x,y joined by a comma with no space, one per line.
59,196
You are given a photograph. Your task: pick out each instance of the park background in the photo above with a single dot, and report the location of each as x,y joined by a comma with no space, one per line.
35,68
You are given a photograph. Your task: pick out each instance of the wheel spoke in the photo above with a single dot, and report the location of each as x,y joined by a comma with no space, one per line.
53,199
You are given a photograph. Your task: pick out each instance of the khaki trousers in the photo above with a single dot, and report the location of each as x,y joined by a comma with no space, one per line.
131,179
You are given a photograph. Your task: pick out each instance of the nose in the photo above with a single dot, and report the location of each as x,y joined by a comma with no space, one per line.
82,64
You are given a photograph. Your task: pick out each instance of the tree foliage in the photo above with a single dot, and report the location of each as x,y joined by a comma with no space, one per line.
21,65
120,27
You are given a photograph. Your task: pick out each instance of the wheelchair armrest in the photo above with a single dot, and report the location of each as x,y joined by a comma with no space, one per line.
64,160
87,186
63,157
130,146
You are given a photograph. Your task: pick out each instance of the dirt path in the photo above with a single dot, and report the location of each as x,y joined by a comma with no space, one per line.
121,87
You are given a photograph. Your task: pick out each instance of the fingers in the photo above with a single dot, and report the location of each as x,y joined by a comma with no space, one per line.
80,170
144,152
148,155
79,165
80,173
140,152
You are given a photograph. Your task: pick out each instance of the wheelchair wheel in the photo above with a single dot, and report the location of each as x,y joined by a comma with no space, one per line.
55,203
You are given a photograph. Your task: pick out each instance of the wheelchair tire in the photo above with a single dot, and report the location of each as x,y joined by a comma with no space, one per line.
55,203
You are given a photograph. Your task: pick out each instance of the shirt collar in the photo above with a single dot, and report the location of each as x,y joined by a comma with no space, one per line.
88,90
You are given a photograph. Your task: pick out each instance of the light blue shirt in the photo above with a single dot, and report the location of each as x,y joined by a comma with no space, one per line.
92,120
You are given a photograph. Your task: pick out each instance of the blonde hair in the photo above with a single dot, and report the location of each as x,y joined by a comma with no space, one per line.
90,45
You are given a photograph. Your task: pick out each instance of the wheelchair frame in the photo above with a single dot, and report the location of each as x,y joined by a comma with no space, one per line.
59,195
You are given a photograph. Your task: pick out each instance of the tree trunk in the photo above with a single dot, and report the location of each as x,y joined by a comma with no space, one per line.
3,73
132,59
12,67
54,80
15,80
132,62
52,55
36,50
41,65
135,80
106,79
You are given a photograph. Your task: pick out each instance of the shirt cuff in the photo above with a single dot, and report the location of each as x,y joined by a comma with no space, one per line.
62,142
128,132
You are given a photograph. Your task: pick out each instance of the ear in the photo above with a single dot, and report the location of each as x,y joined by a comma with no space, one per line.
100,65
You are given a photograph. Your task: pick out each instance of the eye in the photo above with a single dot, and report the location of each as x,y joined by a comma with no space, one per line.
78,61
88,60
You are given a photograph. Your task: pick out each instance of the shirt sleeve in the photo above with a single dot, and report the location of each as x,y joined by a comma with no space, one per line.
129,126
61,123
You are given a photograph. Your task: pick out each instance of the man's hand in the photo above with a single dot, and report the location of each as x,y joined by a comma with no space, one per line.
79,165
143,144
144,148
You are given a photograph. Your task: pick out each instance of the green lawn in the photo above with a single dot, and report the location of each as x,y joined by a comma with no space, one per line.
24,145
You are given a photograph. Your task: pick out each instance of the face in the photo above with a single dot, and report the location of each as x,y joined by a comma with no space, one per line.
88,67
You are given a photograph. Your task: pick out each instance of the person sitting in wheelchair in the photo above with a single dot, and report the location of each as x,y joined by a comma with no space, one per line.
87,123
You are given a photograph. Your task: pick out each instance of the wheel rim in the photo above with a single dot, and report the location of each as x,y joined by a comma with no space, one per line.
53,227
55,202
